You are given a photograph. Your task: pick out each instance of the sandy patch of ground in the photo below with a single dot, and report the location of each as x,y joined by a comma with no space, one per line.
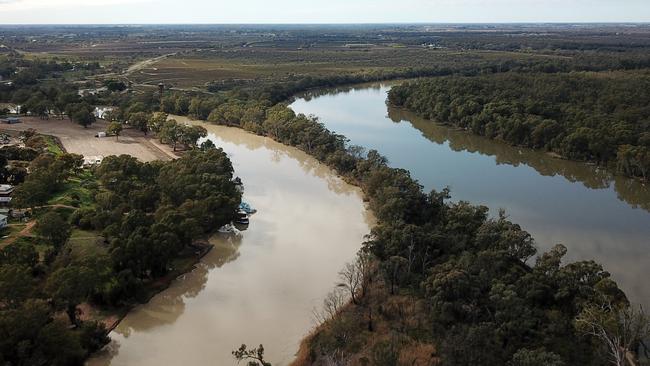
79,140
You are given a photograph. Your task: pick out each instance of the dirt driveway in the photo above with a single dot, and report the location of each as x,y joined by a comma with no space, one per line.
79,140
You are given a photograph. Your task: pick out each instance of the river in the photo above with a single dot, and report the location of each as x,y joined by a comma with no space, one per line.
595,214
262,286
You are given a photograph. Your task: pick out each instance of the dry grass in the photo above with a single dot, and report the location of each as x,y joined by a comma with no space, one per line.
397,319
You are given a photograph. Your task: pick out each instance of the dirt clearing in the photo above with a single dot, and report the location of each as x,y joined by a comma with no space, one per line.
79,140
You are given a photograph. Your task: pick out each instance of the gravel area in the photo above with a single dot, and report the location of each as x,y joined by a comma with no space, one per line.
79,140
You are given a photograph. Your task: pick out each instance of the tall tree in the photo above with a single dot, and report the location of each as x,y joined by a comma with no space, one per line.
69,286
53,228
114,128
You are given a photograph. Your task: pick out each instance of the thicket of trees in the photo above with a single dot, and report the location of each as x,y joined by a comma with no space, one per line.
36,282
150,212
148,215
36,85
603,118
47,175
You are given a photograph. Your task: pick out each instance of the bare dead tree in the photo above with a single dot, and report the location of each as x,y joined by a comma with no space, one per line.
352,279
425,260
336,358
332,305
618,327
411,256
365,266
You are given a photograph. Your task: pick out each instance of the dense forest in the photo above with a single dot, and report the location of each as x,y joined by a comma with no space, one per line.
599,117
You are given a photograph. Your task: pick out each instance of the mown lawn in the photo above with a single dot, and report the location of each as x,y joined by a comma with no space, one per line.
52,145
85,244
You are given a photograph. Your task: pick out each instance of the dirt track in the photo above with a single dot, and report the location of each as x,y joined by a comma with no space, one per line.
79,140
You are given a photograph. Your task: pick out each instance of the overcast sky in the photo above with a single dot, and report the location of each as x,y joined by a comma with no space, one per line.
320,11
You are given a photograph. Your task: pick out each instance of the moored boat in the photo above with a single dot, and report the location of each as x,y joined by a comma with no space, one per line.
247,208
242,218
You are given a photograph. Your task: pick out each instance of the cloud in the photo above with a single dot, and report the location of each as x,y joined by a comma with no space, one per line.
50,4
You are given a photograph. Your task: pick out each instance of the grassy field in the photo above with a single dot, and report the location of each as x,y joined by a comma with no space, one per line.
53,145
85,244
78,191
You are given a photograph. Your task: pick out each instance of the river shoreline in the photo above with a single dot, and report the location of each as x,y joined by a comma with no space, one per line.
581,205
162,284
227,256
348,181
550,153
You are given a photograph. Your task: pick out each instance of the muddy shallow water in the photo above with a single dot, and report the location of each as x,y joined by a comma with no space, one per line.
595,214
260,287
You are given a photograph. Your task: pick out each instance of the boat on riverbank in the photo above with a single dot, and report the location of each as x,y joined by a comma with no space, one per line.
245,207
242,218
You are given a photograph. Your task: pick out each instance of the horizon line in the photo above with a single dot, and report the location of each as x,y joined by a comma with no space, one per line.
349,23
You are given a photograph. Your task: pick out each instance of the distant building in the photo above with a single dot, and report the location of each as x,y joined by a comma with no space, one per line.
10,108
5,201
100,112
3,221
6,190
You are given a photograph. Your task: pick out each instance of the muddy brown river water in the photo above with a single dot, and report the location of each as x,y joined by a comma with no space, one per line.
260,287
